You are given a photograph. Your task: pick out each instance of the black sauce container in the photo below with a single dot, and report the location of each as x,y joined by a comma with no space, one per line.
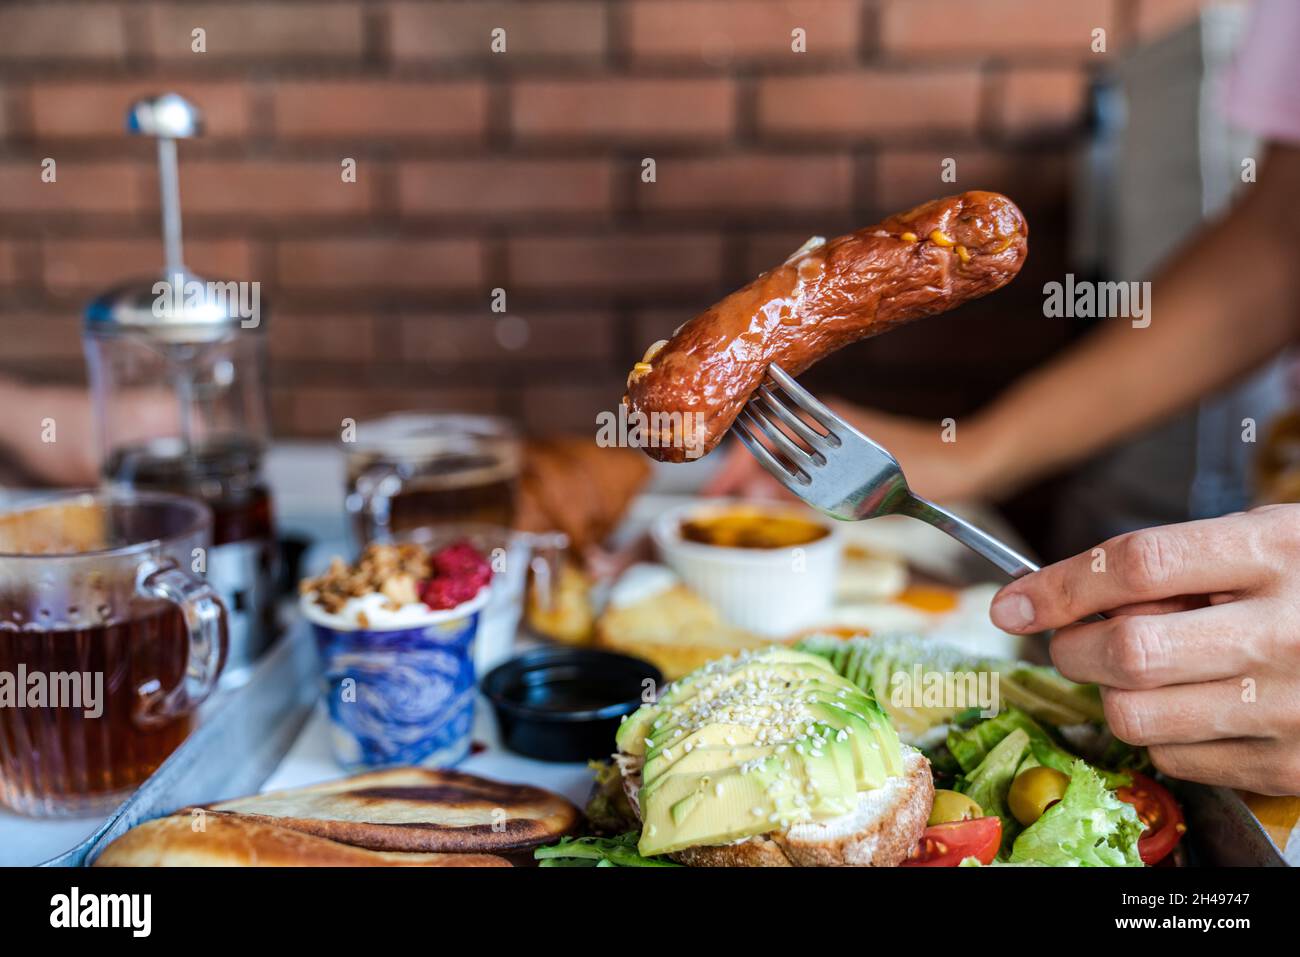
566,704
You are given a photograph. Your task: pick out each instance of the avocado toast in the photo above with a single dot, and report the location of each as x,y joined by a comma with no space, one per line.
772,759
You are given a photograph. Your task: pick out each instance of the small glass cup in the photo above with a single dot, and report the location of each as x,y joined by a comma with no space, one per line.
415,469
103,605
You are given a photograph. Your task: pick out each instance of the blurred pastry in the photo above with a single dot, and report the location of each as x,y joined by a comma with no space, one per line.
230,840
671,627
570,484
568,617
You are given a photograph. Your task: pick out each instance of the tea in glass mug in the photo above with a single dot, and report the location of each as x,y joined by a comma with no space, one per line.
417,470
110,638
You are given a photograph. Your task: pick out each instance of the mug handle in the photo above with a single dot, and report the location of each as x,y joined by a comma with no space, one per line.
373,506
546,551
206,637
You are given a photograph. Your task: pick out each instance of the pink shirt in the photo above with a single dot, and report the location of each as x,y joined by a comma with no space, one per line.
1263,89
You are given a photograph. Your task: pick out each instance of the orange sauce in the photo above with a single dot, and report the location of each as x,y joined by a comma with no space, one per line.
752,528
928,598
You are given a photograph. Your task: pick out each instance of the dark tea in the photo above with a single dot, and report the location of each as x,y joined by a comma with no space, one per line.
226,475
414,471
69,751
109,640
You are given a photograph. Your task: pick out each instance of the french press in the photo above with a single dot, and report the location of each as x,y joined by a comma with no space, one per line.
177,371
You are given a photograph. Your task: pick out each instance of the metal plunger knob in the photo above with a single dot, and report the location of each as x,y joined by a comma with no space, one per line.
168,117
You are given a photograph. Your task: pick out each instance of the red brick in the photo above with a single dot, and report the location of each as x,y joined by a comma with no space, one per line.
62,31
9,271
317,411
994,26
1155,18
618,108
92,265
723,31
303,336
463,30
1041,101
907,177
763,250
487,337
377,108
617,261
749,183
651,325
250,30
41,336
870,104
80,186
389,263
271,188
500,186
570,407
85,109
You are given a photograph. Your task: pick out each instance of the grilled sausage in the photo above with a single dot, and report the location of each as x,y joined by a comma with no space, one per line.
689,389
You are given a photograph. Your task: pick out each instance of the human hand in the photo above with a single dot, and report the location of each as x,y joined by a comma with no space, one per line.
49,429
938,469
1200,661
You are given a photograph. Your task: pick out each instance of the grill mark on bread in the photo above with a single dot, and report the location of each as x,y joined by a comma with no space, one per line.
416,809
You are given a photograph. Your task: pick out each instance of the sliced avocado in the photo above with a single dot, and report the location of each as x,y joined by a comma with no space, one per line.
781,662
714,807
1073,702
718,740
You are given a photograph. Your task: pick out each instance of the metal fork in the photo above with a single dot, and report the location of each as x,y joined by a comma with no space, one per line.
842,472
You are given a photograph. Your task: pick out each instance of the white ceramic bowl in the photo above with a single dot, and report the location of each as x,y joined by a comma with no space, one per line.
770,591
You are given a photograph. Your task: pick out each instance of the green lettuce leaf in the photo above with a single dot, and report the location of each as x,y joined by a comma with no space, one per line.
1088,827
597,852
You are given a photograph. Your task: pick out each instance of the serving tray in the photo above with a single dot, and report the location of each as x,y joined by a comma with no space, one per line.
238,746
260,736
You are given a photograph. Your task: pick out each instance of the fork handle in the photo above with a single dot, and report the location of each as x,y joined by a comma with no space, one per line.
1000,554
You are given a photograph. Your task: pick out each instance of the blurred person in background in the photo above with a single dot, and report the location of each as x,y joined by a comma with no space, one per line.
47,434
1200,659
27,455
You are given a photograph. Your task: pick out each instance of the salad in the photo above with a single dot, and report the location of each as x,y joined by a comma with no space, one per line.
1016,787
1031,777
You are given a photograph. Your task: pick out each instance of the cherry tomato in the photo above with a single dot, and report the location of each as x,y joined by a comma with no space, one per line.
1159,813
947,845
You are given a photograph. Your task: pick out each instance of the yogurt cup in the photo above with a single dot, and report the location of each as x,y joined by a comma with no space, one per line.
401,689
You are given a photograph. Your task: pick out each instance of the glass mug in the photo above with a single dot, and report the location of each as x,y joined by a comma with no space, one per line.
413,470
99,607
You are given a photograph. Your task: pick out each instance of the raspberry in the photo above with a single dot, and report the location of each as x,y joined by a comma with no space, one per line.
459,573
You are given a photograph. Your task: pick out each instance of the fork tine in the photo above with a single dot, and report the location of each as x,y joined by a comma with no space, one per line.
766,459
767,398
803,398
752,413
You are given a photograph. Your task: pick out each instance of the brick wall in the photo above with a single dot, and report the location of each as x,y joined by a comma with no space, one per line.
522,170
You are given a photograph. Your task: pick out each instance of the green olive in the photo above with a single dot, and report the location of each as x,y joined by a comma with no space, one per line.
1034,791
950,807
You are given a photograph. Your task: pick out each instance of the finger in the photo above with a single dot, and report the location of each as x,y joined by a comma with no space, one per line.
1137,652
1185,714
1162,606
1255,764
1194,558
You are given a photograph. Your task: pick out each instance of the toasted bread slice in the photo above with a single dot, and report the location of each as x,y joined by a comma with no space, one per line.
228,840
675,630
416,809
880,832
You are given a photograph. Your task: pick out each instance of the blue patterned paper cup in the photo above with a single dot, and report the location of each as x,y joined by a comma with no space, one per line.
402,695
